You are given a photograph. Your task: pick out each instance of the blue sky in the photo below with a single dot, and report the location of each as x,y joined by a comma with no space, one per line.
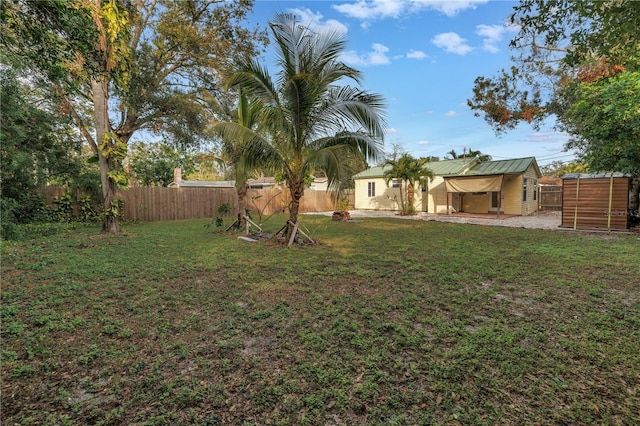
422,56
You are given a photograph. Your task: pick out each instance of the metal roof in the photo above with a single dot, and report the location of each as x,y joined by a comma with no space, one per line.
502,167
439,168
595,175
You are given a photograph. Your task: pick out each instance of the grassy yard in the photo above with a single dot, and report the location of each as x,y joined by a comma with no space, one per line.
385,322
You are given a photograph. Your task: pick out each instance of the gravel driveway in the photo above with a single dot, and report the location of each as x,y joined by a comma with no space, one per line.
538,220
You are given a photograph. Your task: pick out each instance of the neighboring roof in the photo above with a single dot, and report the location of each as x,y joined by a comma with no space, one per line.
595,175
549,180
268,180
503,167
204,184
439,168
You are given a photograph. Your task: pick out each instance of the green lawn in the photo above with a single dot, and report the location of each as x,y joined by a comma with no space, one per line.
384,322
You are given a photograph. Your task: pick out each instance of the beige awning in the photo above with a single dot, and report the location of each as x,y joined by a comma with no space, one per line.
474,184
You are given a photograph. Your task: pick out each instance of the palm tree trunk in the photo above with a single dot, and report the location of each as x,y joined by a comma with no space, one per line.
241,188
410,198
296,189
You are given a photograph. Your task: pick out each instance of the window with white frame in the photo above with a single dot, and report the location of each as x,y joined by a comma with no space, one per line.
396,183
535,190
525,182
371,189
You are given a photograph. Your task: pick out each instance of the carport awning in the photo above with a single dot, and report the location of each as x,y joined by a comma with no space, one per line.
474,184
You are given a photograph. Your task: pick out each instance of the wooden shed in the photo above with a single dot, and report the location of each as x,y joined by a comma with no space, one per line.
595,201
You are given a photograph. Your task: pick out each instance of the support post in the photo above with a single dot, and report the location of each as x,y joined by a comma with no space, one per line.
575,214
610,202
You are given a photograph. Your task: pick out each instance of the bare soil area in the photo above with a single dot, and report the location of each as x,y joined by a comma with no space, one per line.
538,220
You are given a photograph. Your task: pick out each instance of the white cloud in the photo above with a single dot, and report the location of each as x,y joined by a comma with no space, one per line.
423,142
382,9
377,56
452,43
390,131
492,35
447,7
376,9
416,54
450,114
314,21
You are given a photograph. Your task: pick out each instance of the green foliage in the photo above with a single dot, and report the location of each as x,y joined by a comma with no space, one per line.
223,210
116,210
467,154
560,168
87,211
605,122
153,164
409,170
8,225
36,143
64,206
606,29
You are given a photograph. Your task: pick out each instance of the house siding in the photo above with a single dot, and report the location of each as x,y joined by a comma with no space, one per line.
383,200
386,198
512,197
531,205
437,196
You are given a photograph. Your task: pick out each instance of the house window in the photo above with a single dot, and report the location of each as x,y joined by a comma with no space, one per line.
535,190
424,186
371,189
395,183
524,189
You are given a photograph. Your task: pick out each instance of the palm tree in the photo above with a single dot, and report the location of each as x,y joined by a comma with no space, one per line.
451,155
248,114
313,122
410,170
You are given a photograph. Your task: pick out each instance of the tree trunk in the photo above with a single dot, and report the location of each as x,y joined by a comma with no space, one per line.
296,189
410,198
241,188
101,118
401,191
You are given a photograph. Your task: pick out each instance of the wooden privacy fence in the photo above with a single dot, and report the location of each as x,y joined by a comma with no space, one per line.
551,197
159,203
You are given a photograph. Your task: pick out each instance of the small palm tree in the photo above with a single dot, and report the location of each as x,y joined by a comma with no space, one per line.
248,114
311,120
410,170
451,155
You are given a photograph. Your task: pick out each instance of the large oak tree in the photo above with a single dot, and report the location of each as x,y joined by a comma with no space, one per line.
145,65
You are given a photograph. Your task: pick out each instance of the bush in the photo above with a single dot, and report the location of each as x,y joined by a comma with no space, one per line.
31,208
8,229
